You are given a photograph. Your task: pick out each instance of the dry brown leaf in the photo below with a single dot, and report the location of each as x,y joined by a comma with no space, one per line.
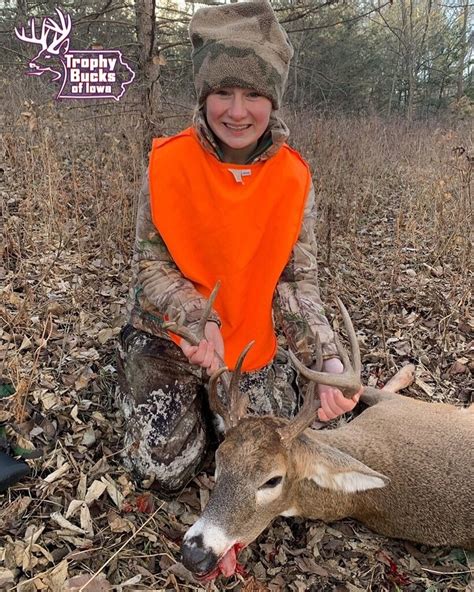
117,523
25,344
63,523
86,520
74,505
458,367
57,577
253,585
6,577
33,533
96,489
80,582
113,491
84,379
104,335
429,390
58,473
15,509
49,400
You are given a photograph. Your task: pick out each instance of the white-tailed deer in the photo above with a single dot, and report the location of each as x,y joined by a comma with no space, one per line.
403,467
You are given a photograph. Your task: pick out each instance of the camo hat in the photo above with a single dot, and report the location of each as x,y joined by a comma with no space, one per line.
240,44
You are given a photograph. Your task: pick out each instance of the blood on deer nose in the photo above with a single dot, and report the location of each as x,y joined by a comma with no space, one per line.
197,558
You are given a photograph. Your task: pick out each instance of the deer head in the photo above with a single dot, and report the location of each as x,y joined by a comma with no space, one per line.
53,40
261,464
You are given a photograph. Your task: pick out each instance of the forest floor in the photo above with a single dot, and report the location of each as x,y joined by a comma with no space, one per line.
394,245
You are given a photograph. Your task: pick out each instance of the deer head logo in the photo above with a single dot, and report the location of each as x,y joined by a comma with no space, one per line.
84,74
53,41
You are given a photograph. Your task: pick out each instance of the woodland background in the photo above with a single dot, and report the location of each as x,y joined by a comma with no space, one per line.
380,102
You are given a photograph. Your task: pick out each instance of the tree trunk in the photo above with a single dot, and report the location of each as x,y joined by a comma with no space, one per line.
462,52
149,71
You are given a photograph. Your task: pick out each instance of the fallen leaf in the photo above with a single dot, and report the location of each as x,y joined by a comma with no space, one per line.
58,473
57,578
117,523
457,368
113,491
63,523
104,335
80,582
145,503
96,489
6,577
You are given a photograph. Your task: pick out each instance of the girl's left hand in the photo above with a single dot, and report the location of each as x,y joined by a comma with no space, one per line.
333,402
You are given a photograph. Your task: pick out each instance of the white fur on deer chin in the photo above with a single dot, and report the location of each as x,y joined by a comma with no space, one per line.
212,536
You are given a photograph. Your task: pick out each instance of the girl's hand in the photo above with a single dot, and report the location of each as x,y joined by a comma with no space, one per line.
204,354
333,402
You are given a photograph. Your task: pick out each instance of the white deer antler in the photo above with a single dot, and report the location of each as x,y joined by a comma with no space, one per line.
61,31
41,40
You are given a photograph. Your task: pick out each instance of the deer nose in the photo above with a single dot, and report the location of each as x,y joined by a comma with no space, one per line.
196,558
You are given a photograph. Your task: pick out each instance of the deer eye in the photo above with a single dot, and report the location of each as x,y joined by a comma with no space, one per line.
273,482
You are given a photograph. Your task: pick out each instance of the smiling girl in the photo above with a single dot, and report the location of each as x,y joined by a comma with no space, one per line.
226,199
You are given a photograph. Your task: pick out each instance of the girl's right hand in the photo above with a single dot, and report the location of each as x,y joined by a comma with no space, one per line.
204,354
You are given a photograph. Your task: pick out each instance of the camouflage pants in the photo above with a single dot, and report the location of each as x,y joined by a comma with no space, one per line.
168,424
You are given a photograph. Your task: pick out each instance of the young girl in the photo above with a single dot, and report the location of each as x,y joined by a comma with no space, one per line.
226,199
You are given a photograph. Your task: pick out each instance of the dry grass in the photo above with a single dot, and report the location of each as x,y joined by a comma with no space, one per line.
394,235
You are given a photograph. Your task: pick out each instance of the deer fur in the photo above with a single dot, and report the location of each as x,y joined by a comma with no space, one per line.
404,468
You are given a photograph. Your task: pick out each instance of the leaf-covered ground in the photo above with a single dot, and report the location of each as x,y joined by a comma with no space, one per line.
393,244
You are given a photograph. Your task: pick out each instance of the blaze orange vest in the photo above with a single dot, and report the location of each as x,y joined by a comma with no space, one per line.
233,223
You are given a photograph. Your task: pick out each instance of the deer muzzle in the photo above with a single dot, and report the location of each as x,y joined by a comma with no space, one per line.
207,551
198,558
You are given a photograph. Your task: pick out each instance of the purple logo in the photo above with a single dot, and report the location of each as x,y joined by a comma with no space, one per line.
86,74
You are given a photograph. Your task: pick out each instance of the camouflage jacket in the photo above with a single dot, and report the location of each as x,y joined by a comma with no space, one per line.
159,288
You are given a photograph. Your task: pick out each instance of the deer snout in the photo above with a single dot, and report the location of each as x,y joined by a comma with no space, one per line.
198,558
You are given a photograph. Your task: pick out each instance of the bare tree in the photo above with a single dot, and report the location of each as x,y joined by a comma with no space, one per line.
462,51
149,71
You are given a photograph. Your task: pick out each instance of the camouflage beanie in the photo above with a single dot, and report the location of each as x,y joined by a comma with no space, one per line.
240,44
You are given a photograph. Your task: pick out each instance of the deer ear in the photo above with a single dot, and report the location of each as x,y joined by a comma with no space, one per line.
332,469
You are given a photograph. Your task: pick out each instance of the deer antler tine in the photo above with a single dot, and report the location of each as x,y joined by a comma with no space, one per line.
64,18
182,332
314,375
234,383
346,361
41,39
349,381
304,418
207,310
214,402
355,350
237,400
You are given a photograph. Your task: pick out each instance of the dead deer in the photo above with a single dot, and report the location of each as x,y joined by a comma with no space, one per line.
403,467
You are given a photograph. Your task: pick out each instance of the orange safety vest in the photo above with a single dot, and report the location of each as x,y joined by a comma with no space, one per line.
233,223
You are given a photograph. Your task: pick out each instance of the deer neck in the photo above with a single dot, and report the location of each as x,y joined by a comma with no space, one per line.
310,500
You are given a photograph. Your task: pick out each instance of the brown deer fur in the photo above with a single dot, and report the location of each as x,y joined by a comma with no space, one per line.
413,463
